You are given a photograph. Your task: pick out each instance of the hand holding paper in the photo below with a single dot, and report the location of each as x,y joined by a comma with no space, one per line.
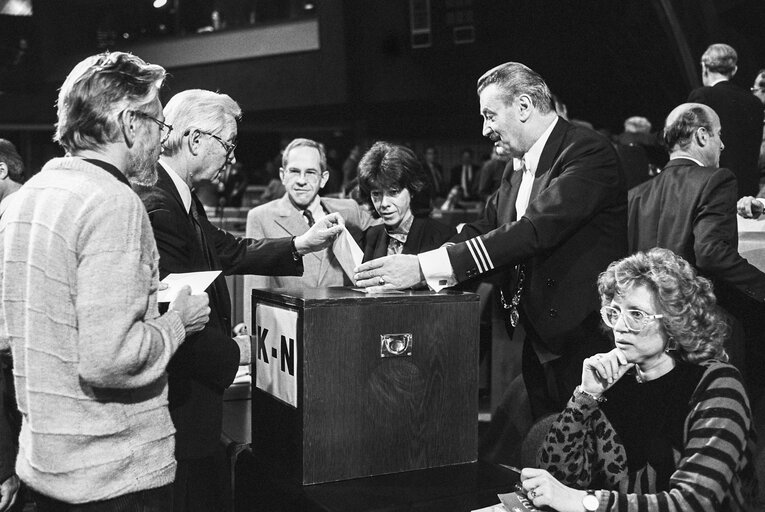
194,310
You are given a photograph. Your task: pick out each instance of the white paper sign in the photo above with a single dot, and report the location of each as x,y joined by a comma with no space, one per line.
275,352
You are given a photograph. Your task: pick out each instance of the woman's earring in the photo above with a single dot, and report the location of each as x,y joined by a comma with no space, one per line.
671,345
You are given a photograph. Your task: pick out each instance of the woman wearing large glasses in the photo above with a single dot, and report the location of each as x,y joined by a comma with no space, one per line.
661,422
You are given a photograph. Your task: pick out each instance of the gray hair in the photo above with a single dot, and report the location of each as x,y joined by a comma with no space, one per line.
96,91
514,79
720,58
308,143
197,109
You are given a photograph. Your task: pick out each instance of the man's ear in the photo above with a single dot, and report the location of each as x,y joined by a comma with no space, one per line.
525,104
701,136
282,174
733,73
193,142
128,125
324,179
3,170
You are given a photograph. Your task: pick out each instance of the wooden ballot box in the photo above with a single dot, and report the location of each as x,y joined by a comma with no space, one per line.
349,384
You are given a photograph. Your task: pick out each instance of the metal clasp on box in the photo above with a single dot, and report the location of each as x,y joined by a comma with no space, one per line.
396,345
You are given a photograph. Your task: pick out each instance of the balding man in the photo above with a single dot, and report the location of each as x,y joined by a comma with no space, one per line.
740,114
690,209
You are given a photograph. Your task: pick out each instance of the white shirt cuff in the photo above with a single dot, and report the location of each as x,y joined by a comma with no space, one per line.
437,269
760,200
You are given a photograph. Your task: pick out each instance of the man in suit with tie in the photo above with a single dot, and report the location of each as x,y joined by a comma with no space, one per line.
466,175
201,143
303,173
554,225
740,115
690,209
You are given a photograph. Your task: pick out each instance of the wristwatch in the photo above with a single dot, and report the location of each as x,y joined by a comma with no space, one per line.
590,502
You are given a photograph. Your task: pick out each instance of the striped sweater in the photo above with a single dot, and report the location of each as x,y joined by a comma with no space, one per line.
713,472
79,275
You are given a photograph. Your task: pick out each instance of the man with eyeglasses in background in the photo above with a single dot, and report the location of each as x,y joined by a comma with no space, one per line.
303,173
201,142
689,209
79,278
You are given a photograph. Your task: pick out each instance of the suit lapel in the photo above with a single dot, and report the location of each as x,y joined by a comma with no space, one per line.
543,175
506,209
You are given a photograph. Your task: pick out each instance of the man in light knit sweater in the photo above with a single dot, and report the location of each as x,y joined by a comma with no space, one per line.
79,280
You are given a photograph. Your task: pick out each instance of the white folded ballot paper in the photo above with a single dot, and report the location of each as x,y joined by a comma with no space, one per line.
347,252
199,281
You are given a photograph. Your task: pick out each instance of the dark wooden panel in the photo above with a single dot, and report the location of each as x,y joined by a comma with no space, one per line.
359,414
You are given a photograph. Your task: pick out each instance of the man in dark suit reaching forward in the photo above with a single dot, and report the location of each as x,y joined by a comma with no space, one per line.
555,224
201,142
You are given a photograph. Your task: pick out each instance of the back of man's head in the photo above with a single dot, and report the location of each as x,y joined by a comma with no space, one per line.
12,160
94,94
308,143
721,59
514,79
637,124
197,109
682,123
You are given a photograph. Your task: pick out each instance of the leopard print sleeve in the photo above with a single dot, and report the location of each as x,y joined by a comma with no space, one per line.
582,448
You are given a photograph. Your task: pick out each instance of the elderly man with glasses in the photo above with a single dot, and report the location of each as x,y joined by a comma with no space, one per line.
201,143
80,309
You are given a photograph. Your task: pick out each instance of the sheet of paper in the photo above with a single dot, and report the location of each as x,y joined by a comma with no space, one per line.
347,252
199,281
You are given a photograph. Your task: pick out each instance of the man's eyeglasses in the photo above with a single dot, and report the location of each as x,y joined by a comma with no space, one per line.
228,146
634,319
757,89
164,128
311,175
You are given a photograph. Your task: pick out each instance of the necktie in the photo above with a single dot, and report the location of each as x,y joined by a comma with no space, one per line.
308,217
199,233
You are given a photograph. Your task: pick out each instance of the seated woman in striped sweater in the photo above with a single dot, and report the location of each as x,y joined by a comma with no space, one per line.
661,422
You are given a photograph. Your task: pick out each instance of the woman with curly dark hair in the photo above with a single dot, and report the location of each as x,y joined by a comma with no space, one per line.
661,422
392,183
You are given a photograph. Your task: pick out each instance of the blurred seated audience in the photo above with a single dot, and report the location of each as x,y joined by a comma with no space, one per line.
758,89
234,181
465,175
631,145
434,172
492,171
661,422
390,179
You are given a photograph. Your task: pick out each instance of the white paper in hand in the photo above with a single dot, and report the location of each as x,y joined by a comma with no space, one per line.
347,252
199,281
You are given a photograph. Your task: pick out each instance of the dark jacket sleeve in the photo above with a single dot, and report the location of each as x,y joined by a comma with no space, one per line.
584,183
714,232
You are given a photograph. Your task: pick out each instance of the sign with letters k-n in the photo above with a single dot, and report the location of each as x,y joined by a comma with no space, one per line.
276,354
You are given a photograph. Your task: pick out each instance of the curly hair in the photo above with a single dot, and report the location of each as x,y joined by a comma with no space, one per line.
687,301
388,165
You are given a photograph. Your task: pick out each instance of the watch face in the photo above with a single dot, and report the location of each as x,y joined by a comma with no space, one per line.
590,503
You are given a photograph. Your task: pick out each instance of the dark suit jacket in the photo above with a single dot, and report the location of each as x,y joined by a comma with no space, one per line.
424,235
691,210
206,363
741,120
574,226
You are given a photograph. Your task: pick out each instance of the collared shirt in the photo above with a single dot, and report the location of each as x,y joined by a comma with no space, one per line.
531,161
180,184
718,81
435,264
397,237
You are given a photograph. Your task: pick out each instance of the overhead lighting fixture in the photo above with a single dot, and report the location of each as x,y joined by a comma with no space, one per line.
159,3
308,6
